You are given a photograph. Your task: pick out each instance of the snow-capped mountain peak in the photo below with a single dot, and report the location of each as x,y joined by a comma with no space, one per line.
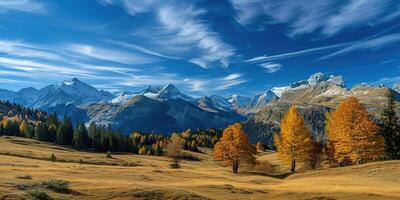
71,91
167,92
238,100
396,87
71,81
279,90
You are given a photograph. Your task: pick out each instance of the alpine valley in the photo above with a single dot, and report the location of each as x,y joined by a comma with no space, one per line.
164,109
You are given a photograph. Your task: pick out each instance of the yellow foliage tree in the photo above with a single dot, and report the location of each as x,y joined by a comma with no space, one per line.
174,149
143,151
23,129
353,135
234,147
293,142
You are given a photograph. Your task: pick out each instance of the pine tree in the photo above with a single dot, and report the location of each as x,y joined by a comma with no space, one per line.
69,134
391,129
61,135
294,138
234,147
65,132
93,135
80,137
353,135
52,131
41,132
158,150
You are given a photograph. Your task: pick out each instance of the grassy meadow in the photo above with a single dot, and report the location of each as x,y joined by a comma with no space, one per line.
26,173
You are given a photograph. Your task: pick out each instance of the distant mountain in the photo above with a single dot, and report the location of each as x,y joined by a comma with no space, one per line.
167,92
313,97
165,109
396,87
150,115
238,100
214,103
123,97
9,95
70,92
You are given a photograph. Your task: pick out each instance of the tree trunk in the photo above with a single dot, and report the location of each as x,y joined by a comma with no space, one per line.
235,167
293,168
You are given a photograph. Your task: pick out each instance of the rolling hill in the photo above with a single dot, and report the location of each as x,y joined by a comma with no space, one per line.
126,176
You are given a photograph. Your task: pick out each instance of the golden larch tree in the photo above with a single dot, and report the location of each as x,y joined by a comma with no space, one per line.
353,135
234,147
23,129
295,138
174,149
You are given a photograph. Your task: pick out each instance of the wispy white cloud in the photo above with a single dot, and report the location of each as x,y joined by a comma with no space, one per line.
266,58
34,66
16,81
107,54
141,49
183,21
60,61
271,67
133,7
22,49
150,79
29,6
214,84
355,13
387,80
371,44
329,16
179,31
374,42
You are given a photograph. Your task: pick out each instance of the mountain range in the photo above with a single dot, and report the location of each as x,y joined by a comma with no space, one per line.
164,109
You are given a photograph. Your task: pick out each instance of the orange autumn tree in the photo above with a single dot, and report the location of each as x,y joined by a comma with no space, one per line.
234,147
353,135
295,138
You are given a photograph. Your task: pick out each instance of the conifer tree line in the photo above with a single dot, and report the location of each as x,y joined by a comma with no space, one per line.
191,139
35,124
49,128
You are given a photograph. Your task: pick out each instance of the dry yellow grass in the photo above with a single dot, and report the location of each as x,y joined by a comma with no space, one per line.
129,176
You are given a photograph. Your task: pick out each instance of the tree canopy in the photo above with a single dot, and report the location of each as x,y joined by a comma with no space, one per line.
234,147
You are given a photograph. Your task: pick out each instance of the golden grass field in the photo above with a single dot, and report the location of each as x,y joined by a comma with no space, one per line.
128,176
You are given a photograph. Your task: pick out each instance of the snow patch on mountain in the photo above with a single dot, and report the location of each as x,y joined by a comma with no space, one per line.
263,99
124,97
279,90
238,100
396,87
168,92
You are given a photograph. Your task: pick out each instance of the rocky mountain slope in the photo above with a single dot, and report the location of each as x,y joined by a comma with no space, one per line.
155,109
313,97
146,114
68,92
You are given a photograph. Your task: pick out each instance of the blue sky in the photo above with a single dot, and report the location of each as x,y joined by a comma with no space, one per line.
203,47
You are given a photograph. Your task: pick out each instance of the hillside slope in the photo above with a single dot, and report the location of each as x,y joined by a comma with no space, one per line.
128,176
